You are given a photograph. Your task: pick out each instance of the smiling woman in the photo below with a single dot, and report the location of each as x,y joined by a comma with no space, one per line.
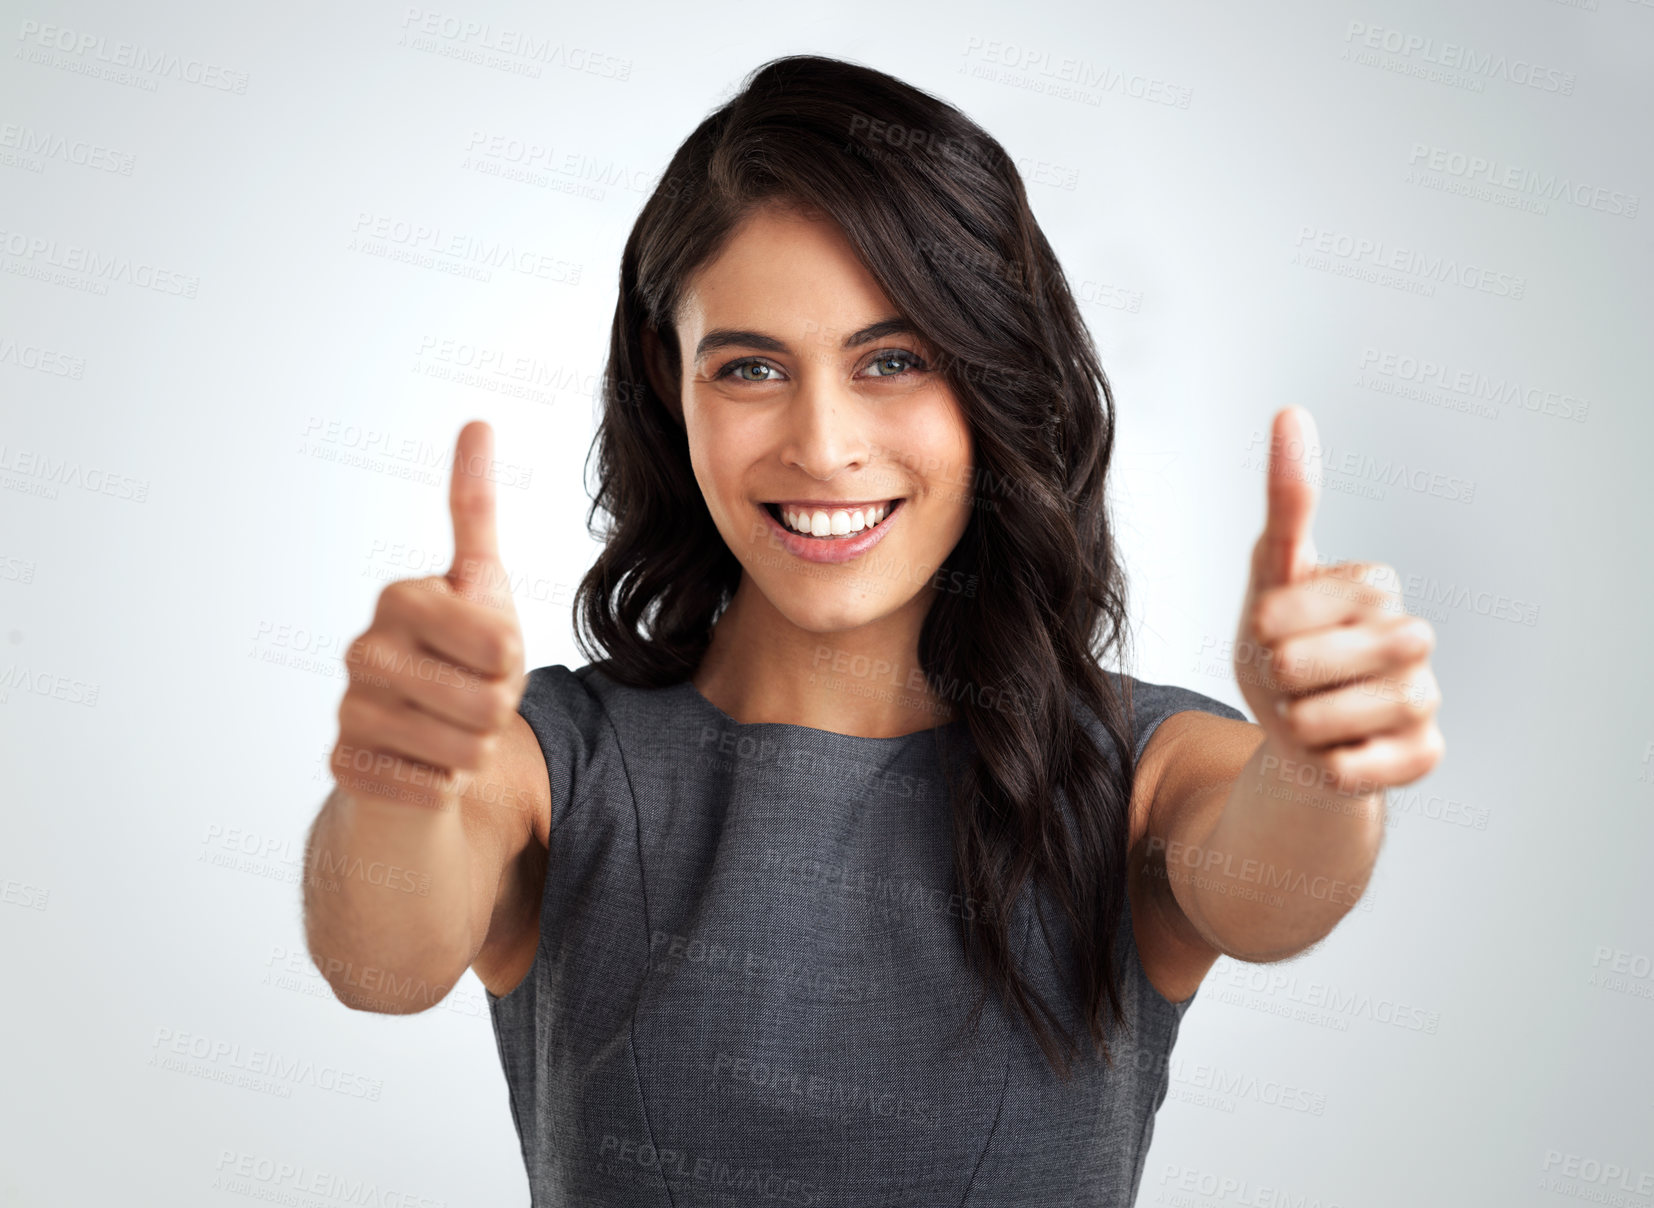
844,872
850,326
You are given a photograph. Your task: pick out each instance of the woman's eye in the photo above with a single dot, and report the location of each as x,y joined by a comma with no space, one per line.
900,358
734,368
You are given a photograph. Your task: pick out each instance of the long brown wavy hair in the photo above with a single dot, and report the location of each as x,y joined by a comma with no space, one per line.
937,211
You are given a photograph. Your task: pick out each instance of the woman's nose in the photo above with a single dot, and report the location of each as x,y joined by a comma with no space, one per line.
826,427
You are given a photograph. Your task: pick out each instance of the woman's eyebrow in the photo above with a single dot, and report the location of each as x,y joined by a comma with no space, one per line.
730,337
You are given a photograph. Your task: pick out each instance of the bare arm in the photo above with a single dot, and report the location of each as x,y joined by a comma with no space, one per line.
1266,845
415,864
1258,866
398,907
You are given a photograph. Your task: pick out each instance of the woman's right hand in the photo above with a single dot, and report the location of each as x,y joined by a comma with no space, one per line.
438,675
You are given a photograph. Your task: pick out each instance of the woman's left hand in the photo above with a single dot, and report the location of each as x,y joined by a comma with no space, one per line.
1335,669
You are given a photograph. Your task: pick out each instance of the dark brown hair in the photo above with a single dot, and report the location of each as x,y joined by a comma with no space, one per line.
937,212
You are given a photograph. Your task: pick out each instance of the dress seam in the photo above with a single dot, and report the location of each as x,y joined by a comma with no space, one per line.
1004,1086
643,893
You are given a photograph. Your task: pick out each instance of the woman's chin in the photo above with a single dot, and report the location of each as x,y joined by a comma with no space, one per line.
828,608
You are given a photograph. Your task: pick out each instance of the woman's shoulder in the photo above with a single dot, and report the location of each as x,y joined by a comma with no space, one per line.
1147,703
592,724
592,694
569,711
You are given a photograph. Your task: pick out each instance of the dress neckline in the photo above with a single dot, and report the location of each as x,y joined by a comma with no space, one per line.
688,688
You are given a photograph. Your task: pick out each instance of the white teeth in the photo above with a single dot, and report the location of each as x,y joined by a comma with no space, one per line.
838,523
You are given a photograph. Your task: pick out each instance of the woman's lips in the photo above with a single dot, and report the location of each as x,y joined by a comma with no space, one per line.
830,549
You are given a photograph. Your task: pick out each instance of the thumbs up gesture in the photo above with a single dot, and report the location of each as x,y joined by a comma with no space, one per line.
436,678
1335,669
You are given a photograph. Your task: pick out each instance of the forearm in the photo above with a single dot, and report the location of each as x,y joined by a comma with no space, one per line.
1284,861
385,901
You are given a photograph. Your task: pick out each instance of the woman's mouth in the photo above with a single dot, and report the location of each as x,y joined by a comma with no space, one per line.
831,521
819,530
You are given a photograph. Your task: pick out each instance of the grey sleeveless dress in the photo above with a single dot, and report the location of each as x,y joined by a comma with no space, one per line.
750,985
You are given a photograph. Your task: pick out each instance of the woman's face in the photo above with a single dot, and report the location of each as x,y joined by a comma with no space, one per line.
801,401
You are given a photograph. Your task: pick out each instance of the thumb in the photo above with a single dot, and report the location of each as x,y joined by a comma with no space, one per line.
475,570
1286,551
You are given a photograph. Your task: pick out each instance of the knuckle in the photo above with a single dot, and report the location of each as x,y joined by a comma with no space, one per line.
1403,640
1292,721
392,599
354,713
1383,583
511,645
1289,666
504,705
1265,617
1380,572
1421,635
361,649
1423,700
503,645
490,649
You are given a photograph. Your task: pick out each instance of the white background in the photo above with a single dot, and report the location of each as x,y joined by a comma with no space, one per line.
171,663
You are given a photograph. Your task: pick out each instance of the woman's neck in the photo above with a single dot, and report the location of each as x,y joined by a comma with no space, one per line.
867,682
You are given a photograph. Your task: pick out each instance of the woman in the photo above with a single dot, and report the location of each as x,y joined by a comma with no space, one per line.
843,874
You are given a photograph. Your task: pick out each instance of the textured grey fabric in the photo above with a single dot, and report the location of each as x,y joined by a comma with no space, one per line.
750,982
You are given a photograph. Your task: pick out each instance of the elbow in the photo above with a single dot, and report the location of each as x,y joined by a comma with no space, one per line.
387,983
1282,942
378,992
